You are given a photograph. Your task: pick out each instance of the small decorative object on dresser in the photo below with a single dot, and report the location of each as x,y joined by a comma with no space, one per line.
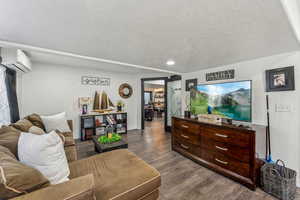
125,91
280,79
226,149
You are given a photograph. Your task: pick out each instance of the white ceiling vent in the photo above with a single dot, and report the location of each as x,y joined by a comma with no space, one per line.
16,59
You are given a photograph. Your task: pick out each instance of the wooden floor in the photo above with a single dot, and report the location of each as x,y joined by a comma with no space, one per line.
182,179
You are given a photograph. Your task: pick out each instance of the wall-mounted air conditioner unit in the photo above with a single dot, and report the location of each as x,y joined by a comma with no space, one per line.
15,59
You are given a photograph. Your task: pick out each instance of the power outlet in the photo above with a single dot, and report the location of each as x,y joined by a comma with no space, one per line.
282,108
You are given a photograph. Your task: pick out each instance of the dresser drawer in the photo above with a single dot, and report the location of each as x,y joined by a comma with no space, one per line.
231,151
186,136
233,165
228,136
186,126
191,148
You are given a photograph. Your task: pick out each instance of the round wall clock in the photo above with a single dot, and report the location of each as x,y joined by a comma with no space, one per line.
125,90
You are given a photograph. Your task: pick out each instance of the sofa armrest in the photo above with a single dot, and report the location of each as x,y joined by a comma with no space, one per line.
70,123
71,153
81,188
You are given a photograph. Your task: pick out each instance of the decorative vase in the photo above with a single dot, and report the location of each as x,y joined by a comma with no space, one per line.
119,108
187,114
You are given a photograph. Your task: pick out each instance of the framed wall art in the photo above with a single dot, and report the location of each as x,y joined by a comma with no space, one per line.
222,75
190,83
280,79
93,80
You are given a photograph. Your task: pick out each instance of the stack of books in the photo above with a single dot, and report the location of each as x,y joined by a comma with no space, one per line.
110,120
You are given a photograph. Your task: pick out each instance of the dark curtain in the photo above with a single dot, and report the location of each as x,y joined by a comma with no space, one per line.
11,82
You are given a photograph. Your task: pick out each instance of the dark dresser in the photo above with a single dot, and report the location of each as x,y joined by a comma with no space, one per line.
226,149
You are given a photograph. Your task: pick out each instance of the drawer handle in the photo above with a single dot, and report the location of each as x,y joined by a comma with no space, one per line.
221,135
183,146
220,161
221,148
184,126
185,136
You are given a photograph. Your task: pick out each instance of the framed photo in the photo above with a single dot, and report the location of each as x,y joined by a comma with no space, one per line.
190,83
280,79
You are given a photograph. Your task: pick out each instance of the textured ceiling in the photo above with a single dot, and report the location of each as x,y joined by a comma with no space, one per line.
197,34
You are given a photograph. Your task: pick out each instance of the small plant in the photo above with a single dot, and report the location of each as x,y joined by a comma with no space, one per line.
113,138
120,103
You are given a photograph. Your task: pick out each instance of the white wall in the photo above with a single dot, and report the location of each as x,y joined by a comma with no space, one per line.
51,89
284,125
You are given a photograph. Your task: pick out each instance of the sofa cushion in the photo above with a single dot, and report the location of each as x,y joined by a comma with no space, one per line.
56,122
36,120
23,125
81,188
17,178
7,151
36,130
9,137
119,175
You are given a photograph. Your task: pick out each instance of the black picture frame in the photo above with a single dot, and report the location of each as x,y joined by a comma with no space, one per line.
280,79
190,83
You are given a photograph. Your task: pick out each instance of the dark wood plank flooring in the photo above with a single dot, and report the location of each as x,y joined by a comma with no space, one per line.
182,179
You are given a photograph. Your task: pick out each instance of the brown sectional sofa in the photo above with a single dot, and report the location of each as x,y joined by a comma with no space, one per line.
115,175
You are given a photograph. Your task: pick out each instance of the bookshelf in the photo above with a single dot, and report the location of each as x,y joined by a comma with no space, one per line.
98,123
159,98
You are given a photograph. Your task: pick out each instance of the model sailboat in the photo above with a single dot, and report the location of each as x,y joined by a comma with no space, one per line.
102,102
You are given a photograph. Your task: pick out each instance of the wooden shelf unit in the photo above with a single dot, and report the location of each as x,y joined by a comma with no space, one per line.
97,123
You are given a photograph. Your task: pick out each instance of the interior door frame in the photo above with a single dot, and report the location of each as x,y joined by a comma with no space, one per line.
165,79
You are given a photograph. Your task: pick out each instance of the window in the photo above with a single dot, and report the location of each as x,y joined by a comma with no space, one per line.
147,97
4,106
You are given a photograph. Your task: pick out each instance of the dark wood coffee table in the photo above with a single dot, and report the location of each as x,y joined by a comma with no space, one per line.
101,148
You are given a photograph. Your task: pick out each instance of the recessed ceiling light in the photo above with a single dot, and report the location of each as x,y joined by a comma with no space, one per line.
170,62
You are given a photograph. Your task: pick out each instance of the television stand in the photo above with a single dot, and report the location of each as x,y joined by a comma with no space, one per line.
226,149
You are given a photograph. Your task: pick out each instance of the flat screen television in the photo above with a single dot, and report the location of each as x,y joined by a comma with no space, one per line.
230,99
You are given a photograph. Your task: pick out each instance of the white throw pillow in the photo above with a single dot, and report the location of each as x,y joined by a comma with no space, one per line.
46,154
56,122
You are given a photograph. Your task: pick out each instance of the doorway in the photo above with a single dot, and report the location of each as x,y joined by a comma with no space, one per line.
160,100
154,100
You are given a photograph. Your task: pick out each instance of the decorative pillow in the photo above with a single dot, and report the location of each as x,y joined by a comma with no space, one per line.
17,178
7,151
46,154
56,122
36,130
9,137
36,120
22,125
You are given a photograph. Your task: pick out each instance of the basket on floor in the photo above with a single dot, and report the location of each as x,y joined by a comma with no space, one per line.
278,180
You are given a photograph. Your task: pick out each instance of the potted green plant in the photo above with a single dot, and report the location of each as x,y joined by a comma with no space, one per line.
120,105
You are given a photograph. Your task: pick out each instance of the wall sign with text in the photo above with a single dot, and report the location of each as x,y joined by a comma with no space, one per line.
93,80
222,75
